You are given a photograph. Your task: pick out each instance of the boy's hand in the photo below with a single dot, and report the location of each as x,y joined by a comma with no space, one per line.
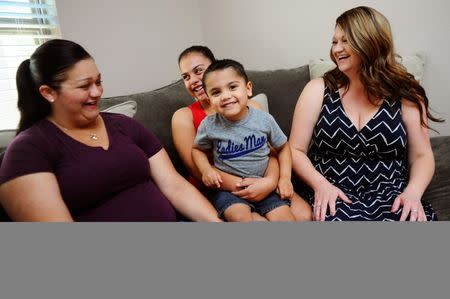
285,188
211,178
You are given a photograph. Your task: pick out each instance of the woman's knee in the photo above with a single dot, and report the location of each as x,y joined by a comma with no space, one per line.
281,214
301,209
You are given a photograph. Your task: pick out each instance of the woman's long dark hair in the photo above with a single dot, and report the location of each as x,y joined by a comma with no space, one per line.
369,34
48,65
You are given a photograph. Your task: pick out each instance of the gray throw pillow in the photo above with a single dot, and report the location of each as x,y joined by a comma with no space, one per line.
262,100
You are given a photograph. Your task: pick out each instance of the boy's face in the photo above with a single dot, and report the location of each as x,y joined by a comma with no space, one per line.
228,93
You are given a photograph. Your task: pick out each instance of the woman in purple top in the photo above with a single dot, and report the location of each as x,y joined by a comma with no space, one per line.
69,162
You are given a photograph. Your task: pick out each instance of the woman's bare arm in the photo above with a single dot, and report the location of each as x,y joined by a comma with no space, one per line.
34,197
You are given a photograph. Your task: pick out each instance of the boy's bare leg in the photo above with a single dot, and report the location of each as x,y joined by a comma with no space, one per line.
300,208
280,214
238,212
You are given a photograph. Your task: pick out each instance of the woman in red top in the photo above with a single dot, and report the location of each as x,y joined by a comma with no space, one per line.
193,62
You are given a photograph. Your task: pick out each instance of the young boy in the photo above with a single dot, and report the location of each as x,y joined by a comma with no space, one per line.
238,136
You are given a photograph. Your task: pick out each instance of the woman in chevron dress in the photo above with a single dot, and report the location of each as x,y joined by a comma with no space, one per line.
359,136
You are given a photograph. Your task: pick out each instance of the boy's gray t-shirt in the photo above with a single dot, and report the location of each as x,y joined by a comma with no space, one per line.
240,148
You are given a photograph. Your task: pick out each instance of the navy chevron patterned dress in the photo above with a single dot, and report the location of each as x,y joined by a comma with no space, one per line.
370,166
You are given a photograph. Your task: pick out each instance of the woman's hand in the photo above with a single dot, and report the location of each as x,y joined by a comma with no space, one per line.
325,196
285,188
255,189
182,195
412,206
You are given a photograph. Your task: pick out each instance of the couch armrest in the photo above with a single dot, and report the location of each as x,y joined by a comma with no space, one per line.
438,192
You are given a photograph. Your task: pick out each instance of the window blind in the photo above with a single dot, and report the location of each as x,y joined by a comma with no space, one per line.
24,25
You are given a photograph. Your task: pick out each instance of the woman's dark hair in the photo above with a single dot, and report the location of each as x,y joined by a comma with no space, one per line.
48,65
205,51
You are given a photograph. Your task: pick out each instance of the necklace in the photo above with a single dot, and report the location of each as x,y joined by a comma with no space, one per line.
92,135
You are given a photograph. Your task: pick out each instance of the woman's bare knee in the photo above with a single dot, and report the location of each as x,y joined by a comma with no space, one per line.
300,208
280,214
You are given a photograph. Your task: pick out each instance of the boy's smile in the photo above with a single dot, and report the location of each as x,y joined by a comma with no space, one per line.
228,93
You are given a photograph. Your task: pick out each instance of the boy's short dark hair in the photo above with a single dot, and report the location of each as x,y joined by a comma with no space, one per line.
205,51
223,64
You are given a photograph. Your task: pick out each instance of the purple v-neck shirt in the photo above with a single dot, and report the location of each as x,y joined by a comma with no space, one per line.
96,184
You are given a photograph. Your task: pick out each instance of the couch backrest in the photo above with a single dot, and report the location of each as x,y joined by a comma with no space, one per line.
438,192
282,88
155,108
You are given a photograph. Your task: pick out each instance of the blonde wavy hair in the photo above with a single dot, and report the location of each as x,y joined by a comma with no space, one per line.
369,35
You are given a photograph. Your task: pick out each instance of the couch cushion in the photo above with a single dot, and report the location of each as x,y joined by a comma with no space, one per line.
318,67
127,108
159,104
6,136
414,64
438,192
282,88
262,100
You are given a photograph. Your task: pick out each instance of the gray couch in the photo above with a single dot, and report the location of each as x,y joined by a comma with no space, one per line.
282,87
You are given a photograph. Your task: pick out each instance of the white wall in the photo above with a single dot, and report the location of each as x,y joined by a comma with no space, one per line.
136,42
268,34
140,53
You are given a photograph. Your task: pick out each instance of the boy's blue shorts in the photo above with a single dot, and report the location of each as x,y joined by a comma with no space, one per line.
224,199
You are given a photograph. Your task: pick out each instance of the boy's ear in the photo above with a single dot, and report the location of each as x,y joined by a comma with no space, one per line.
249,89
48,93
